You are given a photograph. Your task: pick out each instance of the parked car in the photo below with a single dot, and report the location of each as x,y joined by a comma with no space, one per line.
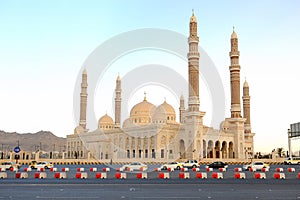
191,164
174,165
217,165
9,165
292,161
36,165
134,166
256,166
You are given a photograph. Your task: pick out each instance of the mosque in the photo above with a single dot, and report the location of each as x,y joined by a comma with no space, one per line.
151,133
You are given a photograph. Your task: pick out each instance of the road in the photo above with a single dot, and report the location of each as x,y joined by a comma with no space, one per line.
153,188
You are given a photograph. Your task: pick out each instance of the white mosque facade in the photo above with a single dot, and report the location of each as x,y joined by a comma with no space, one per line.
152,134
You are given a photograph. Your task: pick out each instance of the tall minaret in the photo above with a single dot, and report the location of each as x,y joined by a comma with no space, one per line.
118,102
246,107
235,77
181,109
83,100
193,58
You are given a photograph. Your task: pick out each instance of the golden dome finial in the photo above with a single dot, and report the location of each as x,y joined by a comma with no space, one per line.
193,17
145,99
233,35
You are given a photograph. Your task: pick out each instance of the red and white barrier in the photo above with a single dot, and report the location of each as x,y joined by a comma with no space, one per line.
80,169
260,176
13,169
184,169
170,169
106,169
27,169
164,175
142,175
40,175
279,175
93,169
40,169
101,175
201,175
291,169
22,175
265,169
119,169
279,169
222,169
120,175
81,175
209,169
158,169
239,175
2,169
217,175
238,169
196,169
252,169
53,169
184,175
65,169
60,175
298,175
3,175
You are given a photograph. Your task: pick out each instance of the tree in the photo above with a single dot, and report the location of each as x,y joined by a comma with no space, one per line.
280,151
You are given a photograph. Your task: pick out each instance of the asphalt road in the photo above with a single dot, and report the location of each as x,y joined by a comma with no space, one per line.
152,188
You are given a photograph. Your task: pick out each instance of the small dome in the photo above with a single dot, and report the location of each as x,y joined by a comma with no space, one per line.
193,18
79,129
84,71
245,84
106,122
164,113
233,35
142,112
224,125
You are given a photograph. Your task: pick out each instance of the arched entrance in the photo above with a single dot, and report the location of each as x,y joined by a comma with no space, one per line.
217,149
230,150
204,149
210,149
224,149
182,149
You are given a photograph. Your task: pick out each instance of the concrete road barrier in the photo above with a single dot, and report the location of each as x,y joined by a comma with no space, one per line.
101,175
184,175
81,175
40,175
260,175
22,175
217,175
279,175
164,175
142,175
60,175
3,175
240,175
201,175
120,175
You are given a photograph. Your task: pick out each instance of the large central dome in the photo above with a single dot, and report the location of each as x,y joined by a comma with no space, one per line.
142,112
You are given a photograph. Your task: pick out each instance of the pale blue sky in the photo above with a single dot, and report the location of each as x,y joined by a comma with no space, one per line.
43,45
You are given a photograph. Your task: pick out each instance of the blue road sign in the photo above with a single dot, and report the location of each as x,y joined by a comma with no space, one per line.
17,149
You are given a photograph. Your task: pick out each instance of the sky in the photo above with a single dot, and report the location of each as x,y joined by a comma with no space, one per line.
44,46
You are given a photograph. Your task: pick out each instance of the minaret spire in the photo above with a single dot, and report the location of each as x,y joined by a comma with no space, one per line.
181,109
235,77
193,60
246,107
118,100
83,99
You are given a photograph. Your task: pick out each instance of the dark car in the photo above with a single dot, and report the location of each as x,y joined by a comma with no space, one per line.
217,164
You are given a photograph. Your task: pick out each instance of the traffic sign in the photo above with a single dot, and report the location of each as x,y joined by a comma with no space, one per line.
17,149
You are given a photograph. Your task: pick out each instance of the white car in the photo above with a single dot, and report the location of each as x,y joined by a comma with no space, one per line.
173,165
258,166
191,164
134,166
